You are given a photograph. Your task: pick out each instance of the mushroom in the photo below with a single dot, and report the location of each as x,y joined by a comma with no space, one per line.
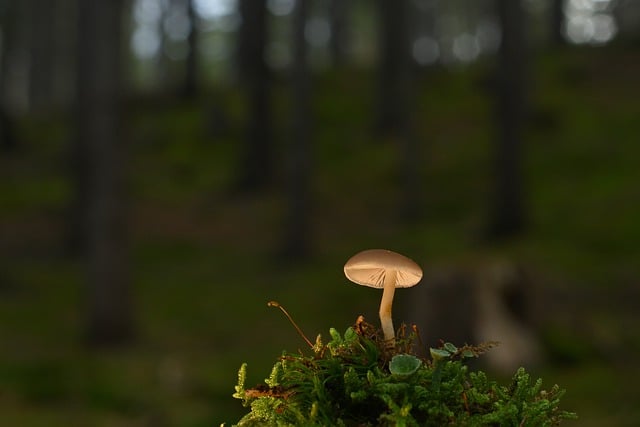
381,268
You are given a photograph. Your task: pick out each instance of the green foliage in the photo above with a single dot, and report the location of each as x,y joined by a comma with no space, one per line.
354,380
404,364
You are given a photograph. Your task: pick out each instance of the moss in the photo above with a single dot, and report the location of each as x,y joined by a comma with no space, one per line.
354,380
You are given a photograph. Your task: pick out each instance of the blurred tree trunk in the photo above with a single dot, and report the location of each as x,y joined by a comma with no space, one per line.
297,227
164,74
8,141
41,54
627,16
557,22
393,62
190,88
395,104
64,54
338,18
100,161
8,12
256,168
15,55
411,205
508,216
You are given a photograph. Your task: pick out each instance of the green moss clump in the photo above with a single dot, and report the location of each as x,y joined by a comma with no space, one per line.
354,380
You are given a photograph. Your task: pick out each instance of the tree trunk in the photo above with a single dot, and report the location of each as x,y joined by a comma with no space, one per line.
8,17
190,87
395,104
338,17
64,55
256,168
8,141
41,55
411,205
393,62
100,153
508,216
15,55
297,228
557,22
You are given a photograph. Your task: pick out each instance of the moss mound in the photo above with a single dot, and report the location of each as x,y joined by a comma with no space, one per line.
355,380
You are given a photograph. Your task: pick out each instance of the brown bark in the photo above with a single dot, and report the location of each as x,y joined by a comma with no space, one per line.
297,229
100,158
256,168
508,215
393,64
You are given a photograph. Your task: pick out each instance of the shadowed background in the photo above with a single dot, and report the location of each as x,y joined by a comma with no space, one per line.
170,166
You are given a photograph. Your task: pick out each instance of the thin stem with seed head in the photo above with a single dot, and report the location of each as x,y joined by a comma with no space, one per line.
277,305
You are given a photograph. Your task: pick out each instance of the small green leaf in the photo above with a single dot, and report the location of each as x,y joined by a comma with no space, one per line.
436,377
439,354
350,335
404,364
371,377
335,335
450,348
468,353
242,376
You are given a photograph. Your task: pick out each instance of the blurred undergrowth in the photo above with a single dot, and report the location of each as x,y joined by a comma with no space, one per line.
203,263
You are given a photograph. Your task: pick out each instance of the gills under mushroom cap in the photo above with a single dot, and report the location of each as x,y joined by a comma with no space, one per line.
368,268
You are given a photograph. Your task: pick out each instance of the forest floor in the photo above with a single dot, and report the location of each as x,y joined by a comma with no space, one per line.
205,261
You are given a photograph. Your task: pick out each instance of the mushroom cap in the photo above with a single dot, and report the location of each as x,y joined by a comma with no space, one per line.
368,268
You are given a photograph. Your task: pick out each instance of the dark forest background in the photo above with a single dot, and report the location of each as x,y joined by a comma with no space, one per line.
169,166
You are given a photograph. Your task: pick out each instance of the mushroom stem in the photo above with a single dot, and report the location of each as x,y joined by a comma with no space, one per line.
385,308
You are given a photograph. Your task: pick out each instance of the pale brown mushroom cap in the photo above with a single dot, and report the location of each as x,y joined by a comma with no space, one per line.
368,268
